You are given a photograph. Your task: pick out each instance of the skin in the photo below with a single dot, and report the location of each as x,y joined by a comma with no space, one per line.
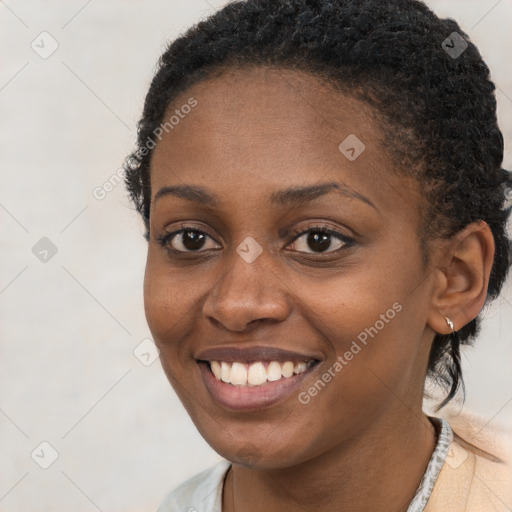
363,441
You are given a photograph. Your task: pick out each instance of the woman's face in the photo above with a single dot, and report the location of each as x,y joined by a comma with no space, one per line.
260,151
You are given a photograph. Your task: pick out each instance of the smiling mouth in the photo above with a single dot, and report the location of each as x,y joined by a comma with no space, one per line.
258,373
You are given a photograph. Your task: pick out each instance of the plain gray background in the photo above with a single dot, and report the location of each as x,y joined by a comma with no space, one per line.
70,321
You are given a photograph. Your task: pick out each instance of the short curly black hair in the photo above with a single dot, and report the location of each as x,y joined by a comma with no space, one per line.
425,79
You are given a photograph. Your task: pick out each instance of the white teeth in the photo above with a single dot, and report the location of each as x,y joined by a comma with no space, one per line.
273,371
300,367
287,369
238,375
225,371
215,365
257,373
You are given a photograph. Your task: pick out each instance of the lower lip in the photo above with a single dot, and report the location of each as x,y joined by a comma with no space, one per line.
251,397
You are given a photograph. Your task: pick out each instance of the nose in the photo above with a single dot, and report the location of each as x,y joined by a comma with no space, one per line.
247,294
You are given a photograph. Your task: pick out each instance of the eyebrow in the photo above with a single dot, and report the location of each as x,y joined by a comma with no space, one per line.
293,196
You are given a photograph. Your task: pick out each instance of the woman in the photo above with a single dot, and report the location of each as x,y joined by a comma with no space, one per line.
323,197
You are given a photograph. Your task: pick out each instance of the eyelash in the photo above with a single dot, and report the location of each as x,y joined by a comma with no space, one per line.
165,238
347,241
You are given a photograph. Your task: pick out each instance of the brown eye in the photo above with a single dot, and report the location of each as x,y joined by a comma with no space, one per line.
187,240
320,240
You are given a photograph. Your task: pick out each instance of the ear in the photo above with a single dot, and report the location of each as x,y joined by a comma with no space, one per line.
461,285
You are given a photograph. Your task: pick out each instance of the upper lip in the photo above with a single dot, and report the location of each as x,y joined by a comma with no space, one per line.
251,354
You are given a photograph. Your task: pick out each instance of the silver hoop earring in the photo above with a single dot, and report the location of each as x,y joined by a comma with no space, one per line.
450,323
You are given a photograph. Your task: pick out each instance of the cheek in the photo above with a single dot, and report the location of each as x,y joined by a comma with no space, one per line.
372,319
169,303
353,302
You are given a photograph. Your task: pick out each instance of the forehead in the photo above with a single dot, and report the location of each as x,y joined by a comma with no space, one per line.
289,109
261,127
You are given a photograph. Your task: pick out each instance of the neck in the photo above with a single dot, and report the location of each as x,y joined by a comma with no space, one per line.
378,470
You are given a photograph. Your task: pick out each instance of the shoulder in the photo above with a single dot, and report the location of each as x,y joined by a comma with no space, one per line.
473,478
201,493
